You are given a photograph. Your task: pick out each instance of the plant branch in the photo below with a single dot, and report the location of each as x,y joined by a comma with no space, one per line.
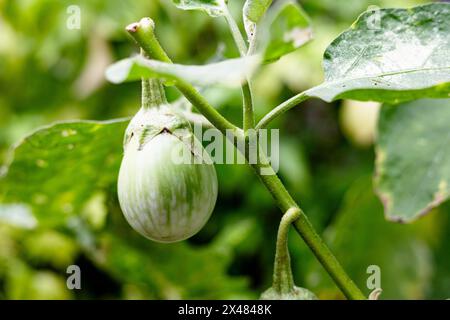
285,202
248,114
204,107
282,108
236,33
143,33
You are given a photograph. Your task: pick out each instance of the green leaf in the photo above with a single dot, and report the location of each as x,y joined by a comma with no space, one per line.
233,72
214,8
390,55
286,28
56,170
413,158
254,10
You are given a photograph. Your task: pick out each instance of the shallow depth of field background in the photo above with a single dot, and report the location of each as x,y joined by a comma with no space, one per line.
49,73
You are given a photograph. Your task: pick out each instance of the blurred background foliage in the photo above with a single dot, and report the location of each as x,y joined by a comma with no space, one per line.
50,73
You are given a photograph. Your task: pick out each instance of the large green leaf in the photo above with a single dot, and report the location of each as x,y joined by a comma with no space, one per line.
55,170
390,55
413,158
233,72
214,8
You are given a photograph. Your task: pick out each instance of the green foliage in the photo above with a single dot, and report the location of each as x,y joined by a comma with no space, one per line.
254,10
56,169
390,55
288,28
413,163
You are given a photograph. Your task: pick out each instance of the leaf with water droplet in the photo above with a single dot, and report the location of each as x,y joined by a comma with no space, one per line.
390,55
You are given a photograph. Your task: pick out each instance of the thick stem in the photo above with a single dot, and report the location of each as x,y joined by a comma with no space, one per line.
144,34
153,94
204,107
152,91
283,281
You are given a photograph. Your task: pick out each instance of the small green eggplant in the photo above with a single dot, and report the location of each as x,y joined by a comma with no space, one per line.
167,184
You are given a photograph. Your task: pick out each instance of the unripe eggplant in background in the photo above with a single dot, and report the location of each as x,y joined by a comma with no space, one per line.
167,184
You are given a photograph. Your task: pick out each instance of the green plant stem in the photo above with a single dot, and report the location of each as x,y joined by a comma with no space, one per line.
248,113
204,107
236,33
282,108
152,91
143,33
283,281
253,42
306,230
248,116
269,178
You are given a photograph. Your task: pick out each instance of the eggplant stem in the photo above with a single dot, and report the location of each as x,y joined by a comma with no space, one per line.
283,281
